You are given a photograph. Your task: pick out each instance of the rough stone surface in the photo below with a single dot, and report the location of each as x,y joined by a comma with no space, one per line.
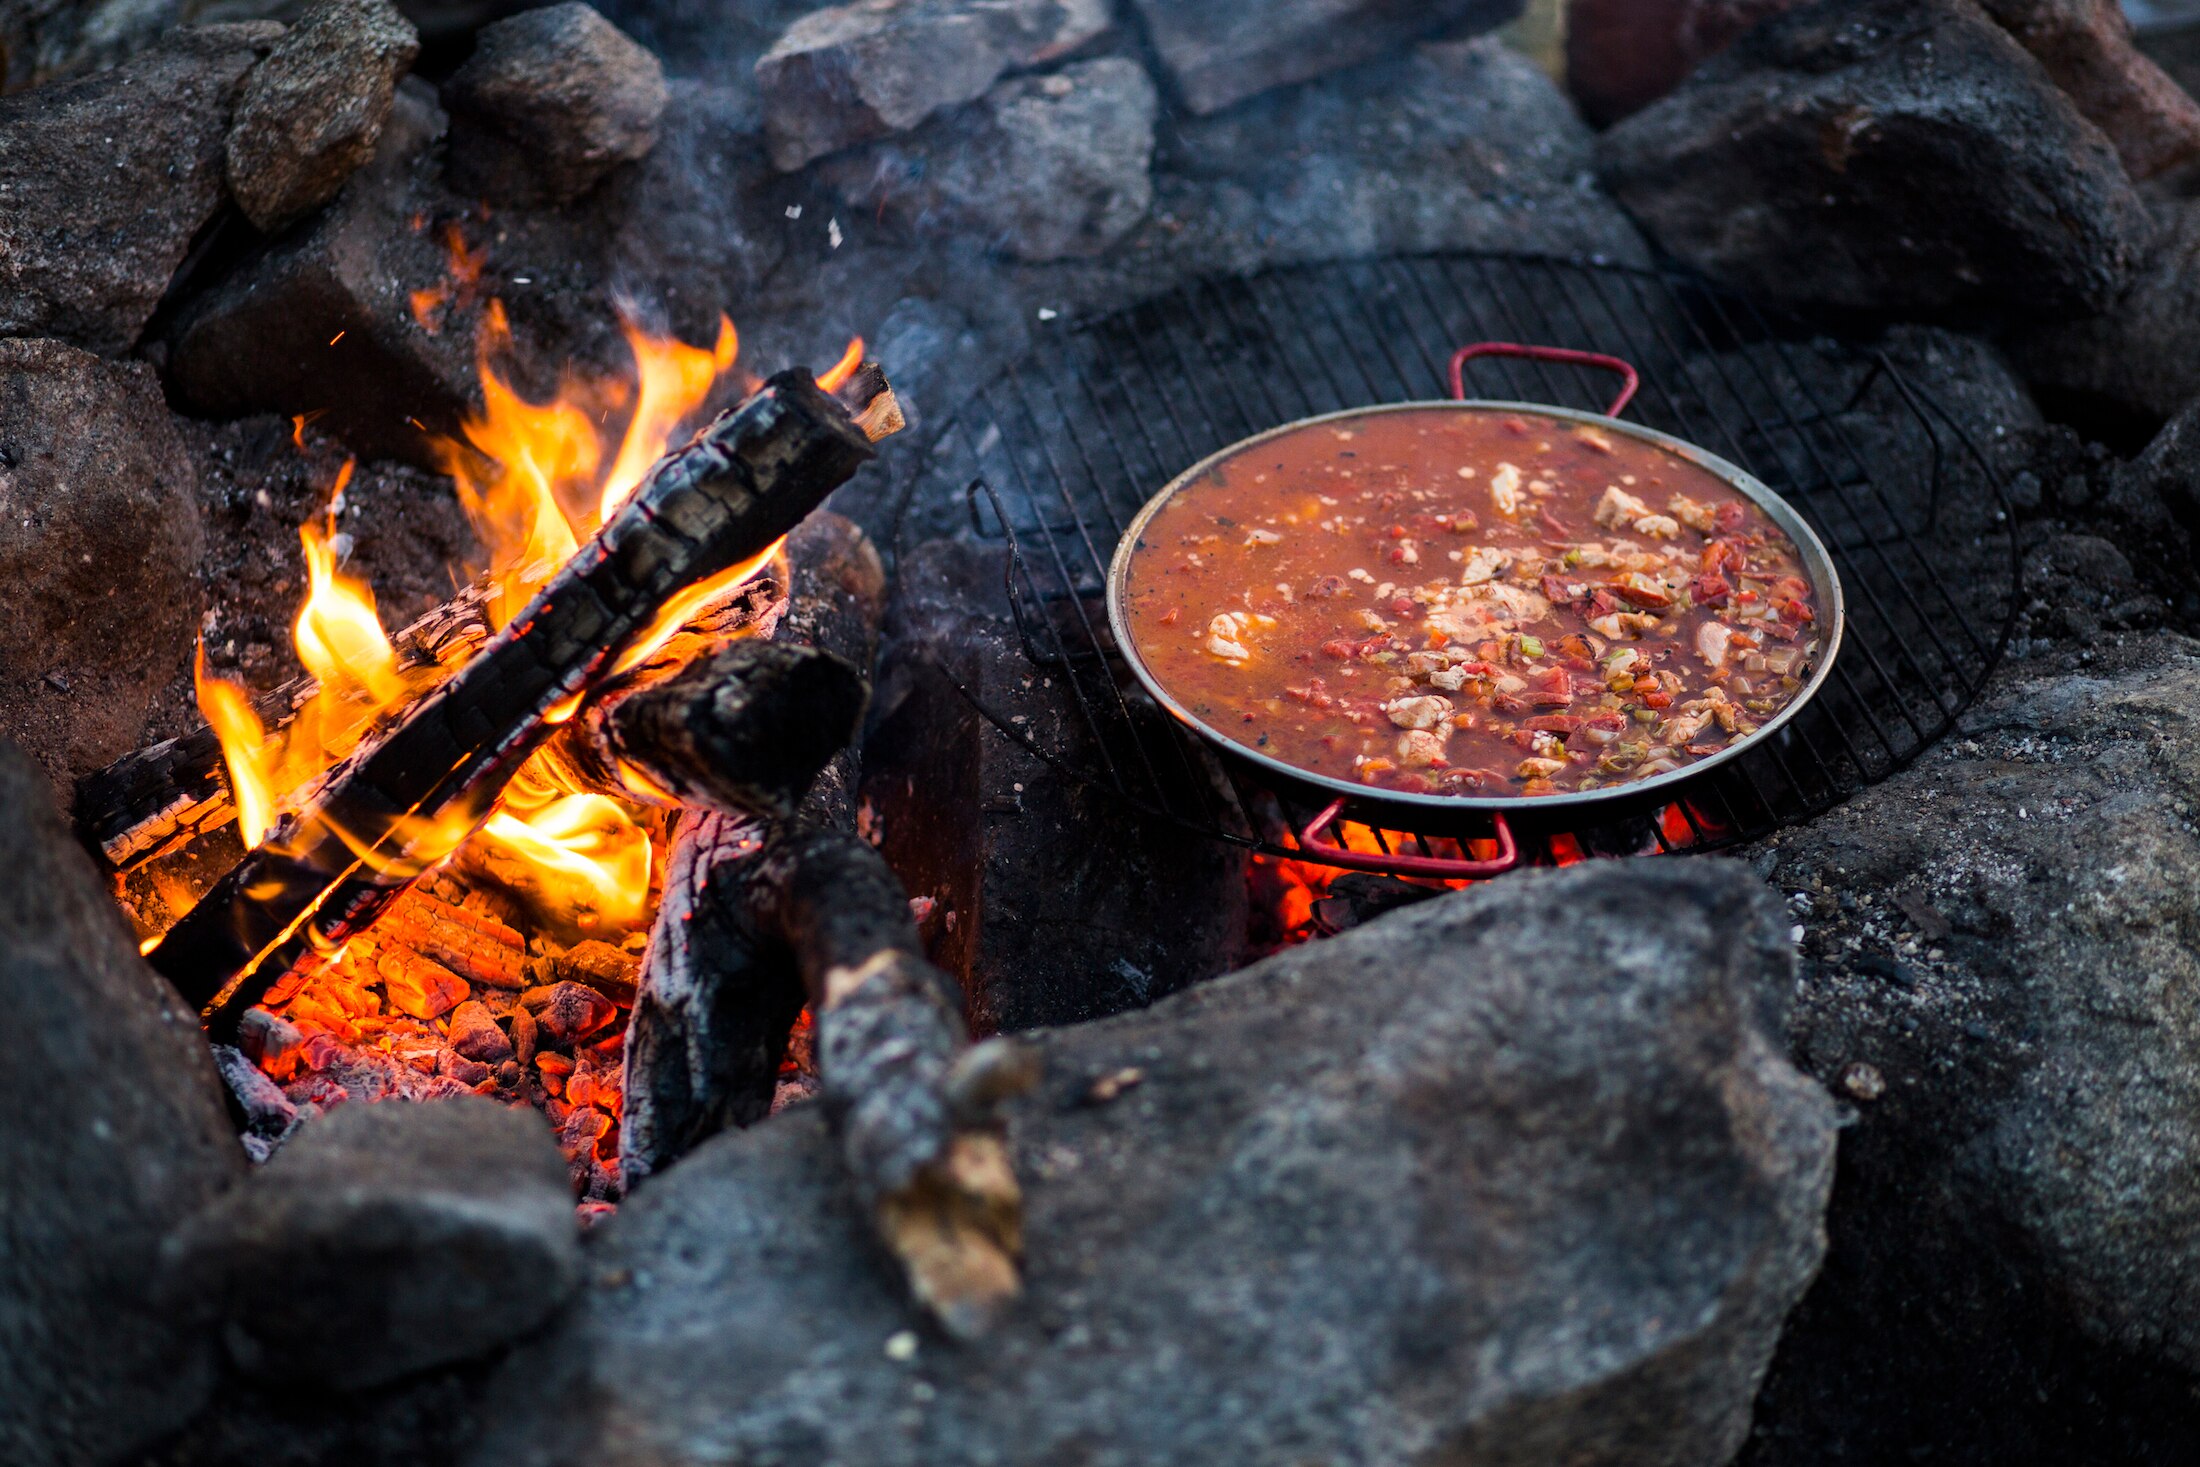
115,1134
100,540
1453,145
384,1239
1052,901
1517,1176
1042,168
551,101
851,73
1885,156
104,183
47,40
366,316
311,113
1223,51
2141,356
1622,55
2004,936
2086,46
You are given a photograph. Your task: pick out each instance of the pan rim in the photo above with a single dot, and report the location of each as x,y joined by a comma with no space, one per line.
1817,562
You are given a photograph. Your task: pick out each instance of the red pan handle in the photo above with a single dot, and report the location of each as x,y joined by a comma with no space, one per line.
1330,854
1566,355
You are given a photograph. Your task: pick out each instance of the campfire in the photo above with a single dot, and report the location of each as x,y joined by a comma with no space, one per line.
1029,731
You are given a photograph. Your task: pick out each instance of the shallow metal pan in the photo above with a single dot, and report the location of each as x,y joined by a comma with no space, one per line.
1406,810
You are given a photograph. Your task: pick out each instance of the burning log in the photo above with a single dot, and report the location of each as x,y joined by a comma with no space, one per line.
401,803
162,798
718,998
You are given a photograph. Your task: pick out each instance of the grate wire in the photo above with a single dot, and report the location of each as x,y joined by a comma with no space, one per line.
1056,455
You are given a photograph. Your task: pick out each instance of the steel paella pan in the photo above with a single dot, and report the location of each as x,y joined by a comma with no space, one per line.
1410,810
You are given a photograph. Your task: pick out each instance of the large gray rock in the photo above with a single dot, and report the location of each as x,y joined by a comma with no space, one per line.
311,113
100,539
46,40
359,314
1519,1176
551,101
1223,51
1897,156
1041,168
1453,145
385,1239
2142,355
850,73
2001,979
105,182
115,1134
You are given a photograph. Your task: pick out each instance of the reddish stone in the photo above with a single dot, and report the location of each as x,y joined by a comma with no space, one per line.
2086,46
1622,55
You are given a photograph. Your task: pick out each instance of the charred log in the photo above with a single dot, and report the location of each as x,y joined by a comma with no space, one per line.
396,806
156,800
746,729
174,794
719,997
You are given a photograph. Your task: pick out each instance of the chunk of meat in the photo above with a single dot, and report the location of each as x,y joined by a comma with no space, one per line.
1619,508
1223,634
1505,489
1692,513
1426,711
1483,563
1421,748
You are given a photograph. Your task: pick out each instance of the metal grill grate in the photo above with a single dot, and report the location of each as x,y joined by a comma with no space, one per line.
1058,453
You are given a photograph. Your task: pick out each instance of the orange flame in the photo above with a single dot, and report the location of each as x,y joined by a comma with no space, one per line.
537,479
840,371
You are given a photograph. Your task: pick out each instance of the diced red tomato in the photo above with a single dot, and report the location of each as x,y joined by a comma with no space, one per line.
1655,699
1340,649
1710,589
1728,516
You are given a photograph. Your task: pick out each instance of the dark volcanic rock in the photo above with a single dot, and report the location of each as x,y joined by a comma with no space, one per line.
850,73
1223,51
1516,1176
115,1134
1897,156
105,182
99,598
2087,48
550,101
311,113
2141,356
1053,901
2002,955
1454,145
322,320
1043,167
384,1239
368,316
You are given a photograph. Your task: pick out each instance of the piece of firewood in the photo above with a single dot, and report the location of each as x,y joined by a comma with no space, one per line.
157,799
915,1104
405,800
717,998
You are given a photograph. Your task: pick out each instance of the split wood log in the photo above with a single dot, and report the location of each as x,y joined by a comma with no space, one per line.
763,909
718,998
160,799
384,815
916,1105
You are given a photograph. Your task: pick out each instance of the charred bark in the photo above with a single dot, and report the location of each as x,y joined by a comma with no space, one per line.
718,995
152,802
396,806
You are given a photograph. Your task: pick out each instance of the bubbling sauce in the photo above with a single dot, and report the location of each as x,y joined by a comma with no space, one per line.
1471,601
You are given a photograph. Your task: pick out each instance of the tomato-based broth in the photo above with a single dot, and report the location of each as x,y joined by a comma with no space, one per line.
1471,601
